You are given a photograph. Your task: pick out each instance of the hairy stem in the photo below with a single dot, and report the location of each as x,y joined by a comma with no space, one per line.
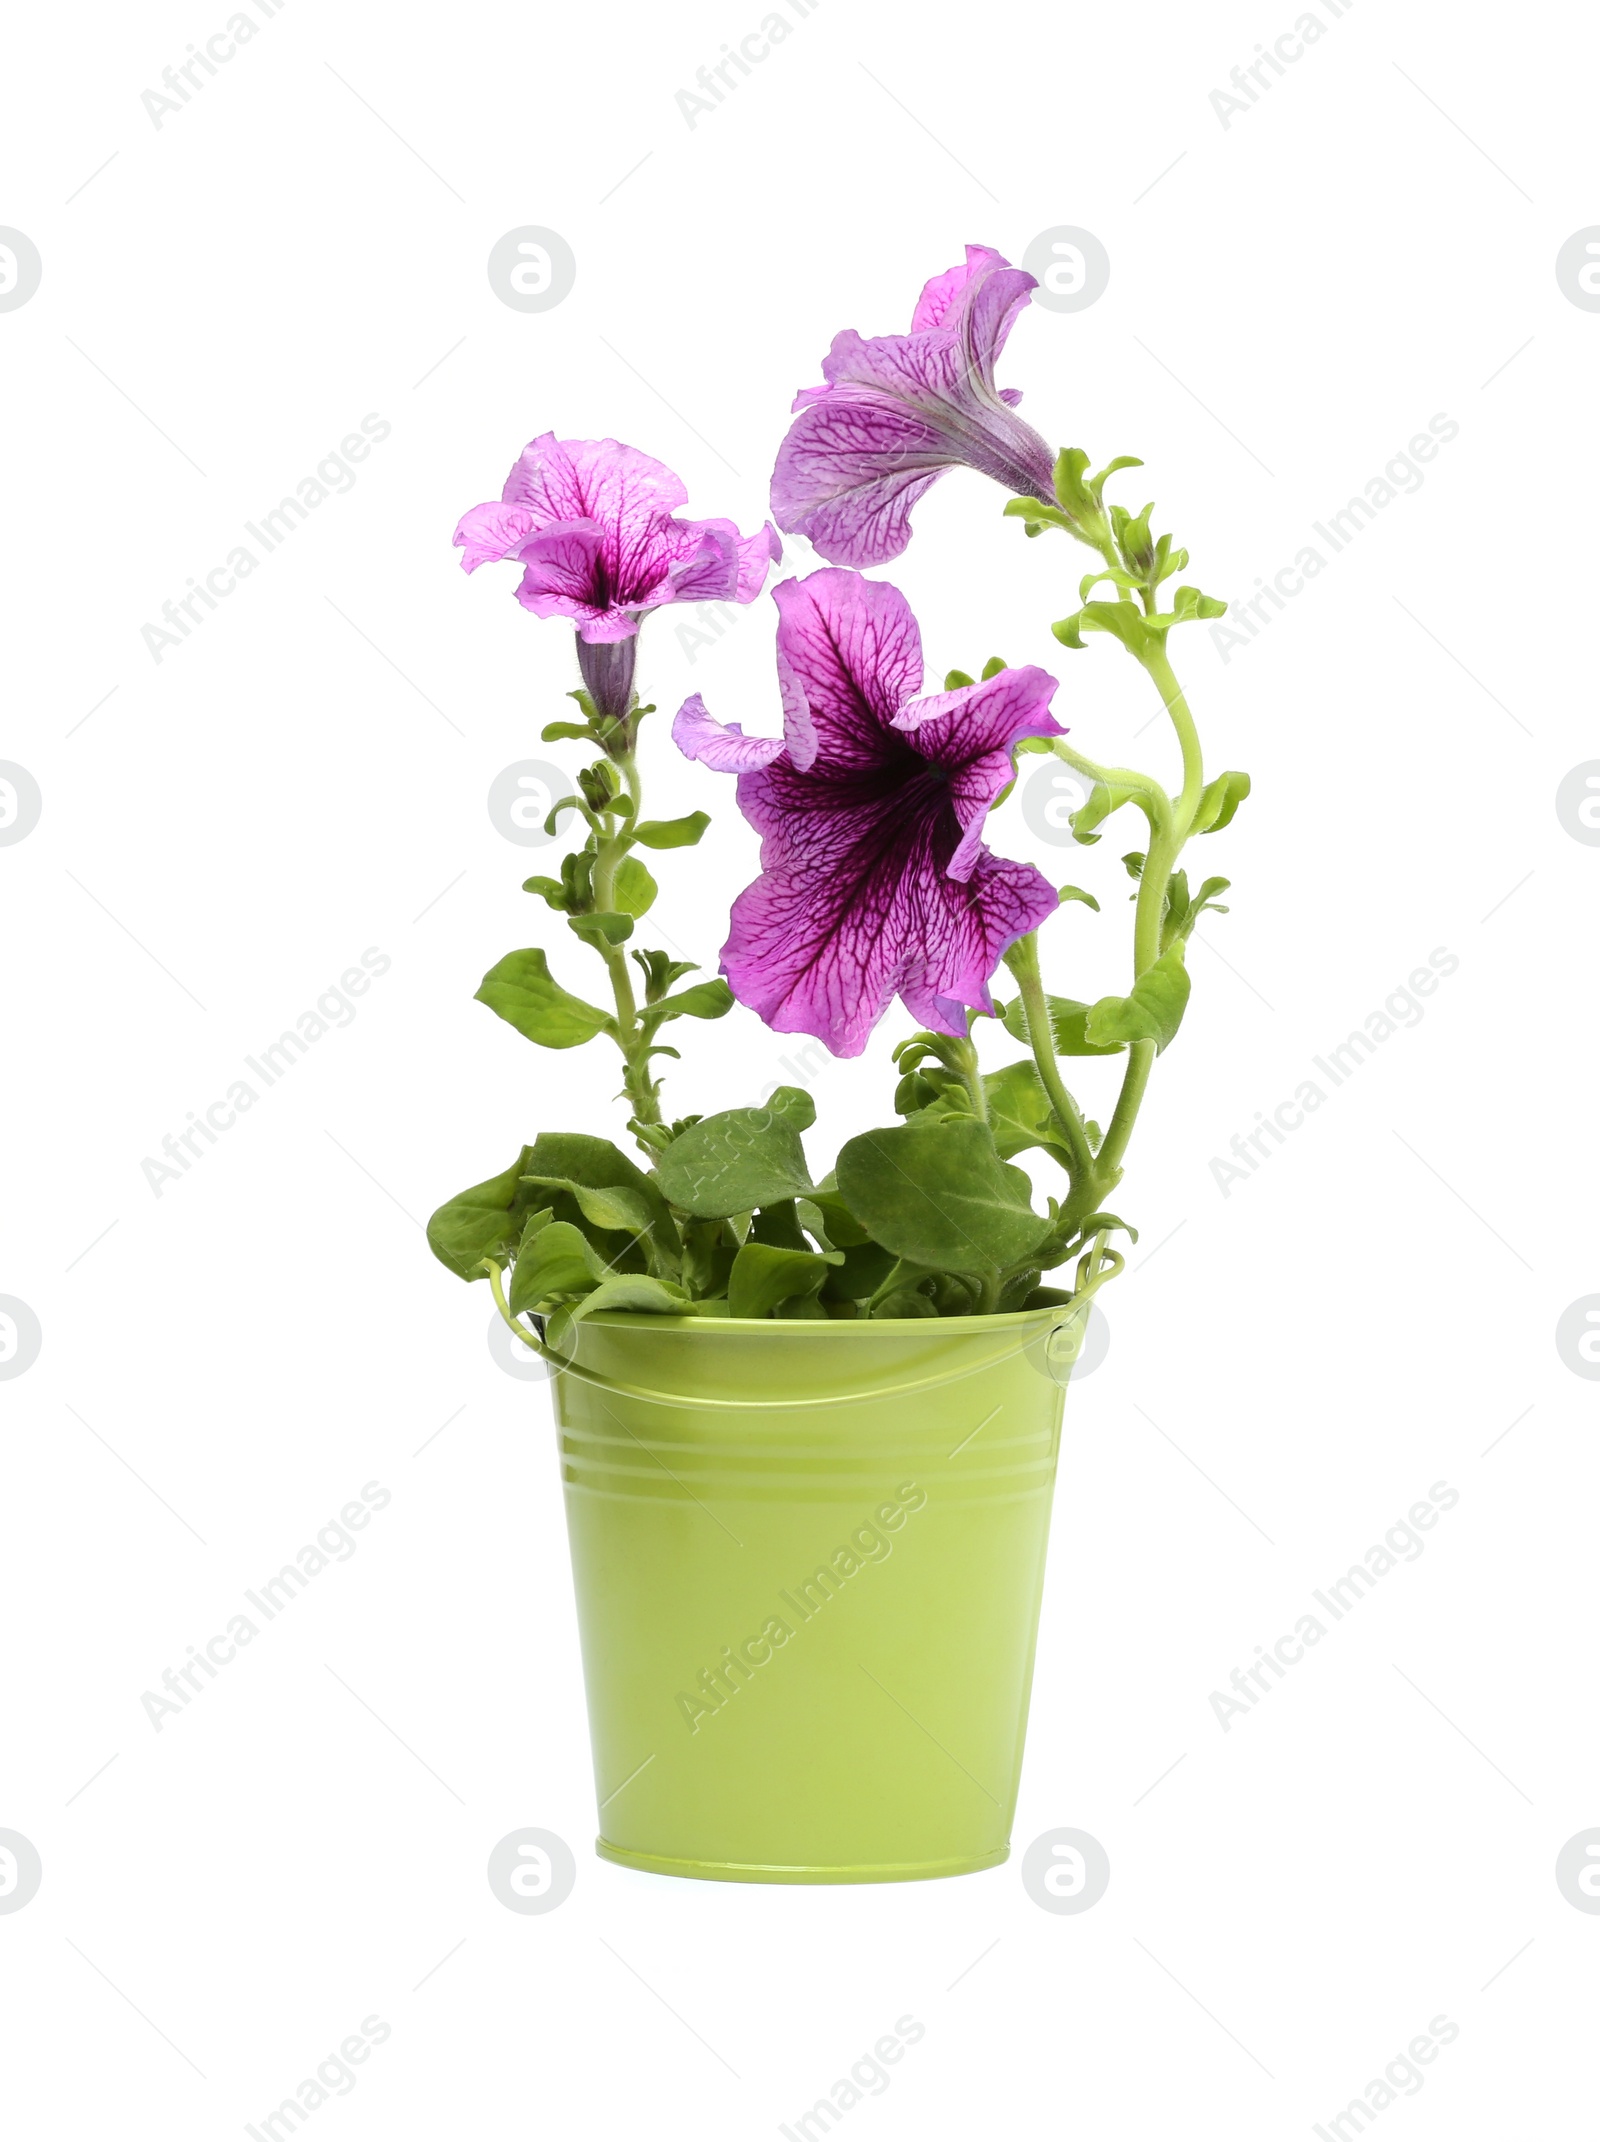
1167,836
641,1089
1023,960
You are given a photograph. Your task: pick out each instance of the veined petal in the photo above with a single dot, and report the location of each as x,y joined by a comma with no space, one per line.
799,730
561,559
493,531
723,746
709,570
848,475
1002,901
626,493
971,734
941,293
952,727
855,654
591,479
897,410
855,905
756,554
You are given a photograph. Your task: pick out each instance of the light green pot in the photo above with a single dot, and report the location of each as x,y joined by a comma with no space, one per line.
808,1560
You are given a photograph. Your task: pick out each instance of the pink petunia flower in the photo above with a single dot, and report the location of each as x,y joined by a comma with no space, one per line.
591,523
898,410
875,881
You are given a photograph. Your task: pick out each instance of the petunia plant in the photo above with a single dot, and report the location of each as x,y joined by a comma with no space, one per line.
874,803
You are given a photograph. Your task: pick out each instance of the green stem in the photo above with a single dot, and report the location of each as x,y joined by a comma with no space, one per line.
1166,843
1151,796
529,1339
1023,960
963,1060
632,1040
1188,738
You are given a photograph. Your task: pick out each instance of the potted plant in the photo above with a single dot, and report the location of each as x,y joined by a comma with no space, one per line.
809,1414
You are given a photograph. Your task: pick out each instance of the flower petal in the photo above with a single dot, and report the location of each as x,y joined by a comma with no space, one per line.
756,553
855,905
563,572
629,496
1001,902
723,747
799,730
848,475
855,654
897,410
490,532
952,727
708,570
971,734
941,293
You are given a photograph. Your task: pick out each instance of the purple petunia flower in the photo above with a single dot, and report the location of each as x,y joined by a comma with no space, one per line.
590,522
875,882
899,410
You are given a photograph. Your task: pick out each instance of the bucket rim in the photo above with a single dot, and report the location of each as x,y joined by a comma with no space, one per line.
827,1327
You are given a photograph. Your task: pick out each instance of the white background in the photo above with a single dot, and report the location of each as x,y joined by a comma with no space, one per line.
1292,298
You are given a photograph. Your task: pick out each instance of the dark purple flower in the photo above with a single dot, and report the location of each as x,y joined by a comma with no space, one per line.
899,410
590,522
875,882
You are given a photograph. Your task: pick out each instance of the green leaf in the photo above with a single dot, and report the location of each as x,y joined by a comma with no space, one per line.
634,890
914,1092
701,1000
1104,798
861,1271
1114,574
779,1227
660,971
956,680
827,1215
1219,799
993,667
1107,1220
1067,1027
521,990
939,1194
904,1302
633,1292
1064,893
1182,911
602,929
1079,501
551,890
672,832
1036,516
1189,604
794,1105
740,1159
1123,461
709,1248
595,1163
558,1260
1019,1112
764,1278
1152,1012
484,1221
556,732
1124,621
613,1206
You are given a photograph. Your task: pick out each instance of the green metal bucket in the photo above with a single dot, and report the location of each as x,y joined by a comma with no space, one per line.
808,1559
